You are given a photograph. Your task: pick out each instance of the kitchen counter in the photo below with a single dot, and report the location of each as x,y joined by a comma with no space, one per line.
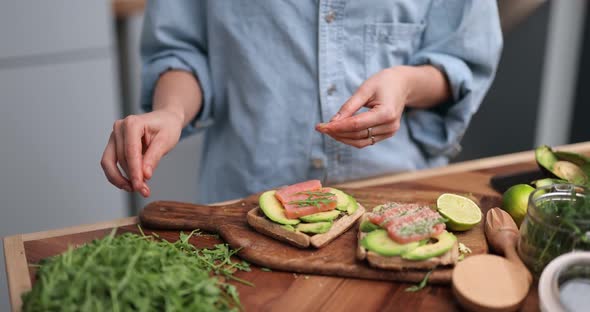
288,291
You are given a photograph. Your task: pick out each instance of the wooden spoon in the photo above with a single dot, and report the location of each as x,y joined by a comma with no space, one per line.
489,282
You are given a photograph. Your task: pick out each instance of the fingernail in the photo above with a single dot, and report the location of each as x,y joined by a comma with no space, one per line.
336,117
144,191
148,171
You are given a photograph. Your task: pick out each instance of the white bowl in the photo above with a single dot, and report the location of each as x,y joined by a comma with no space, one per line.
549,292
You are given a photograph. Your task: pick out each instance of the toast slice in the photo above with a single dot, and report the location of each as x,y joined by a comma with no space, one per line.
262,224
397,263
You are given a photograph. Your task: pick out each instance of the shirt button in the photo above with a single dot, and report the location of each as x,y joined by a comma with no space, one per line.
317,163
331,89
330,17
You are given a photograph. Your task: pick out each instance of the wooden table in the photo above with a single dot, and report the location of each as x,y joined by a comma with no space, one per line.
287,291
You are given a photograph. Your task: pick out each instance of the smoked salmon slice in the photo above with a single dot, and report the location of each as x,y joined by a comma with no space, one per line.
305,198
287,193
407,223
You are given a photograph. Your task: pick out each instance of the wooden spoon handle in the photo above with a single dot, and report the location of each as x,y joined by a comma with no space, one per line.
512,256
169,215
502,234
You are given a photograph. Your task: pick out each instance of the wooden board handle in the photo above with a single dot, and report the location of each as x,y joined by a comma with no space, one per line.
169,215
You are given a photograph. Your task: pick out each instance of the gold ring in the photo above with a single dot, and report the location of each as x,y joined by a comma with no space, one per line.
372,140
369,132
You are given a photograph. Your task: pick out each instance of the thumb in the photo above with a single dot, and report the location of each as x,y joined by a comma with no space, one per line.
154,153
362,95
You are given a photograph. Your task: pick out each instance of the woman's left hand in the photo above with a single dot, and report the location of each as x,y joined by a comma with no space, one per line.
385,94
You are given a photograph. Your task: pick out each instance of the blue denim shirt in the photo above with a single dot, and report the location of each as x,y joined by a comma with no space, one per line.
271,70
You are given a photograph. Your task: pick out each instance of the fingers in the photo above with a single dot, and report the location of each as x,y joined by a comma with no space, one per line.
389,128
120,146
364,142
362,95
133,132
156,150
109,166
362,121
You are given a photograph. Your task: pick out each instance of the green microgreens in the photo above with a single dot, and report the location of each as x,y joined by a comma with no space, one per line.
422,284
131,272
313,199
421,227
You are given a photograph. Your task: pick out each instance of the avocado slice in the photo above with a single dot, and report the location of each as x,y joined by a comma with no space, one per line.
314,228
352,205
546,182
445,242
368,226
378,241
288,227
321,216
545,157
342,199
272,209
565,168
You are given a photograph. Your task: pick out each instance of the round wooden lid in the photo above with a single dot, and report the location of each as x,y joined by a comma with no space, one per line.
489,283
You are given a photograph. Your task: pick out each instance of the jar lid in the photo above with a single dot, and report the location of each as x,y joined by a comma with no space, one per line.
565,283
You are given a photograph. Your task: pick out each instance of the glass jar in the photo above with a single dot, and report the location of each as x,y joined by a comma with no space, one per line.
557,222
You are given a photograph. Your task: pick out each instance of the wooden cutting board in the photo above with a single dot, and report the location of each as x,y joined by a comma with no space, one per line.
337,258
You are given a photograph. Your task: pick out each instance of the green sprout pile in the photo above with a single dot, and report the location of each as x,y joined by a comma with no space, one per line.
131,272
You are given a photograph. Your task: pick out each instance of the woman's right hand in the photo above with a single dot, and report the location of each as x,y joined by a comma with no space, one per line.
137,144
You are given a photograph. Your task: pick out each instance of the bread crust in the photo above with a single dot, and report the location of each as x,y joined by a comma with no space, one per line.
260,223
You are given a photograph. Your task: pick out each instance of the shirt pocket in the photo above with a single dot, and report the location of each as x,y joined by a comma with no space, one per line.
390,44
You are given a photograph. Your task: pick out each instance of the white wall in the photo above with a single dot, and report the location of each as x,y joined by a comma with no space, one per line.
560,74
58,99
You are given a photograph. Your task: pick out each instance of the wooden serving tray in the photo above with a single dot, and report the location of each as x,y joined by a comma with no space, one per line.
337,258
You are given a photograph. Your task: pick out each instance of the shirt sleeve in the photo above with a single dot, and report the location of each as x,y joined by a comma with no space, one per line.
463,39
174,37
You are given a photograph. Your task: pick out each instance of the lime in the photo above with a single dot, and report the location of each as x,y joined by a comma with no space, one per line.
515,201
462,212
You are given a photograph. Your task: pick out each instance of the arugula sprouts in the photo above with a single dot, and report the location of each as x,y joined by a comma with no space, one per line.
422,284
131,272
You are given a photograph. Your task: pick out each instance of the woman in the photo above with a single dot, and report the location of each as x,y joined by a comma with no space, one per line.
296,90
